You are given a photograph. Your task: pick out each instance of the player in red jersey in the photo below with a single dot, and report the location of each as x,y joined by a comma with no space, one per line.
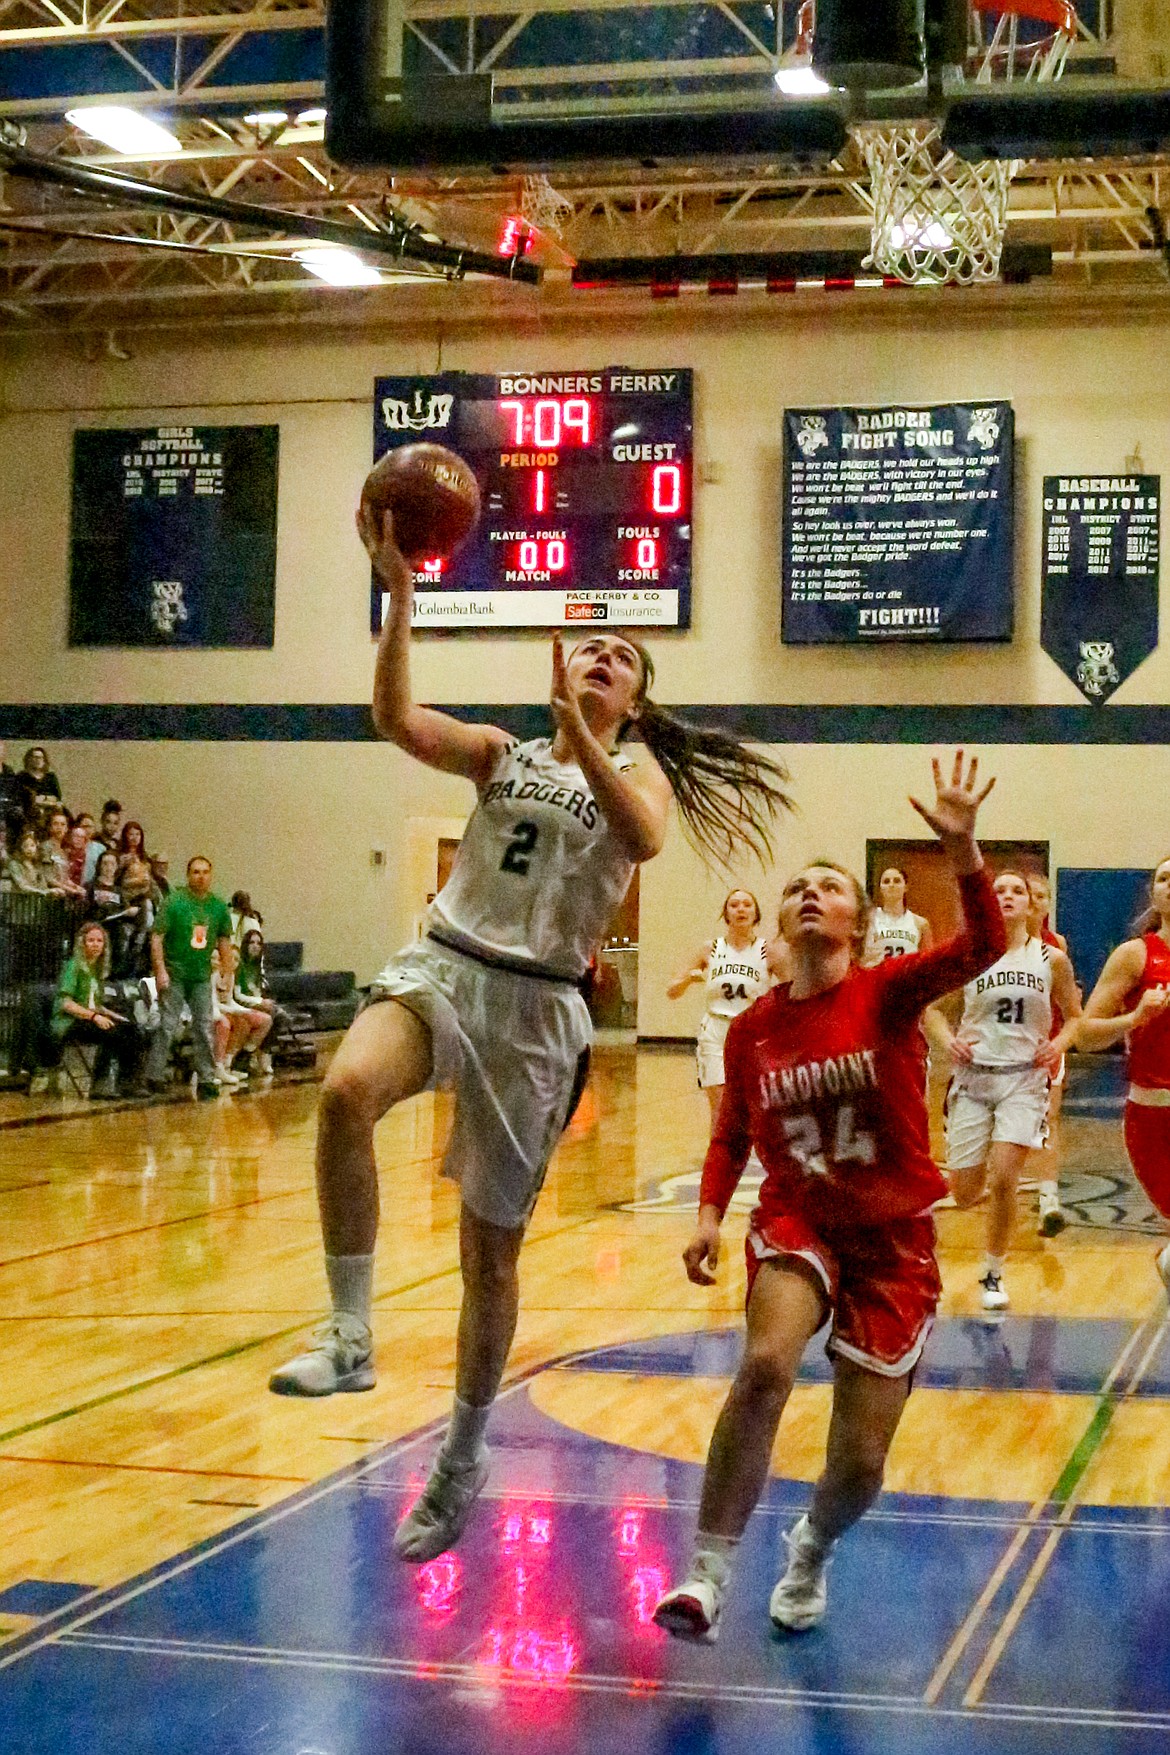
1131,999
823,1076
1051,1217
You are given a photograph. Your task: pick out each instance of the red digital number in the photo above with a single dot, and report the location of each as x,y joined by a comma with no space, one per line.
666,489
550,555
549,421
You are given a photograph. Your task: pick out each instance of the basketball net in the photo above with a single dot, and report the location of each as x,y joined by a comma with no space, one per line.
543,206
938,219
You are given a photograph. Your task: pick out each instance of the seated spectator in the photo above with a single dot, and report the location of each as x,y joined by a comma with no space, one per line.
54,857
135,886
105,898
244,916
132,845
109,837
160,865
23,868
81,1014
76,849
238,1027
39,786
251,992
11,801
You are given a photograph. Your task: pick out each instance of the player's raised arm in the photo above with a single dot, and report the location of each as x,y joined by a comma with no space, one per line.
423,732
913,982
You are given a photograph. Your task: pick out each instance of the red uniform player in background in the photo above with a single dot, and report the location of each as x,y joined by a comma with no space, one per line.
823,1076
1131,999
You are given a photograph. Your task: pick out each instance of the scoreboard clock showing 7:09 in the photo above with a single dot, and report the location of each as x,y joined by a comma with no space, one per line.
585,480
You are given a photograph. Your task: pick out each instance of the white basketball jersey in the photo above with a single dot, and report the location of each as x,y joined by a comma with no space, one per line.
1007,1011
893,935
539,875
736,979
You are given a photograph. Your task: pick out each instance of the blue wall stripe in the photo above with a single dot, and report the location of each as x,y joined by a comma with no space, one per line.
313,722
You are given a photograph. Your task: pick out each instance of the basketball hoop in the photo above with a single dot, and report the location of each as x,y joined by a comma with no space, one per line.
544,207
938,219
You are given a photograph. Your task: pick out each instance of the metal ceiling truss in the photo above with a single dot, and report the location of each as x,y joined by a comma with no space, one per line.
66,260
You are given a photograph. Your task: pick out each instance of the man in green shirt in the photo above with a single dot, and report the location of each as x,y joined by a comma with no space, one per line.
189,926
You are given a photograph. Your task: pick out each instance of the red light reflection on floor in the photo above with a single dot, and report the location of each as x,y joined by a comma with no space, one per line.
529,1638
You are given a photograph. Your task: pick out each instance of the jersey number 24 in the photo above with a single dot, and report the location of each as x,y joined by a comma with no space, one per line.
806,1143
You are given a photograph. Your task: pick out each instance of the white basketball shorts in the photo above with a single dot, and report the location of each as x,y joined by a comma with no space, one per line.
712,1034
985,1108
511,1048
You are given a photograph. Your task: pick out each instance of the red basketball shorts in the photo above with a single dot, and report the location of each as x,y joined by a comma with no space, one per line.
882,1284
1147,1140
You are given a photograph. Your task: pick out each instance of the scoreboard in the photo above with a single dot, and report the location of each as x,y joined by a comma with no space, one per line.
585,480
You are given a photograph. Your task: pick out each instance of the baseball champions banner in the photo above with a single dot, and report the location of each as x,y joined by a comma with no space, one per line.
173,537
1099,607
898,524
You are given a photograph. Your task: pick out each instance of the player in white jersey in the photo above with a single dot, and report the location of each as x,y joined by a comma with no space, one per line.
735,969
1051,1218
1004,1052
894,931
489,1001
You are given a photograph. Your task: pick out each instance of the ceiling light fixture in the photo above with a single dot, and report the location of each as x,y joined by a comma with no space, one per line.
267,118
794,74
311,118
339,267
124,130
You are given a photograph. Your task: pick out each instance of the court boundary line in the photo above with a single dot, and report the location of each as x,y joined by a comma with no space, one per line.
1034,1519
1065,1494
667,1688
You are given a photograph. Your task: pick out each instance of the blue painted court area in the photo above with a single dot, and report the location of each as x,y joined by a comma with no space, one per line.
953,1625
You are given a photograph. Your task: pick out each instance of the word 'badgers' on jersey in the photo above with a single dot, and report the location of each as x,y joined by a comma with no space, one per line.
736,979
894,935
1007,1011
539,874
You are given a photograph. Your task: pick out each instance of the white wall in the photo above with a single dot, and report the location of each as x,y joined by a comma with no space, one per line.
295,823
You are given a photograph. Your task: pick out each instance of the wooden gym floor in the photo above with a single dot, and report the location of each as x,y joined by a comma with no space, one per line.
188,1563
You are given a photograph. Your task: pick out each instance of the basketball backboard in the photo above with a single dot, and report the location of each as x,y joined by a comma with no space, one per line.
492,83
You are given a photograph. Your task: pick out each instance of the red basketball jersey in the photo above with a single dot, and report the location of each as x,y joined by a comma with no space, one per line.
1149,1047
1048,937
829,1089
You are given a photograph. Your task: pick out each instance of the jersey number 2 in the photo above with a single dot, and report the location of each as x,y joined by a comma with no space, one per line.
1009,1011
519,849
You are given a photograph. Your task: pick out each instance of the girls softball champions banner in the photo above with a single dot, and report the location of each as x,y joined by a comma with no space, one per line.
898,524
174,537
1099,615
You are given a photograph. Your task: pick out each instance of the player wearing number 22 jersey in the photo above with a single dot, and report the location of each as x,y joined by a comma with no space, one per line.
828,1088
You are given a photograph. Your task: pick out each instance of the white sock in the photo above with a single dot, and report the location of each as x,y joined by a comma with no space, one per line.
994,1264
1050,1188
351,1284
463,1445
713,1556
806,1532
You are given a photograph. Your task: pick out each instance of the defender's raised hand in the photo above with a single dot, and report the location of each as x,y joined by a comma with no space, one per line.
952,816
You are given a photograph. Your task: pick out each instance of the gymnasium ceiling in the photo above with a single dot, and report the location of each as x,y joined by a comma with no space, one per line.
108,265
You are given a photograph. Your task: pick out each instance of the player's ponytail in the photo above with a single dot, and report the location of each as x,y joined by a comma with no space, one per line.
728,795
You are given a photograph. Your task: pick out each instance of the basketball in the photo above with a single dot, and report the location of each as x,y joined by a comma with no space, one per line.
433,495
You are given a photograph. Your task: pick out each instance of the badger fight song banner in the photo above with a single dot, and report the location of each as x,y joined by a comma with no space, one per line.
898,524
